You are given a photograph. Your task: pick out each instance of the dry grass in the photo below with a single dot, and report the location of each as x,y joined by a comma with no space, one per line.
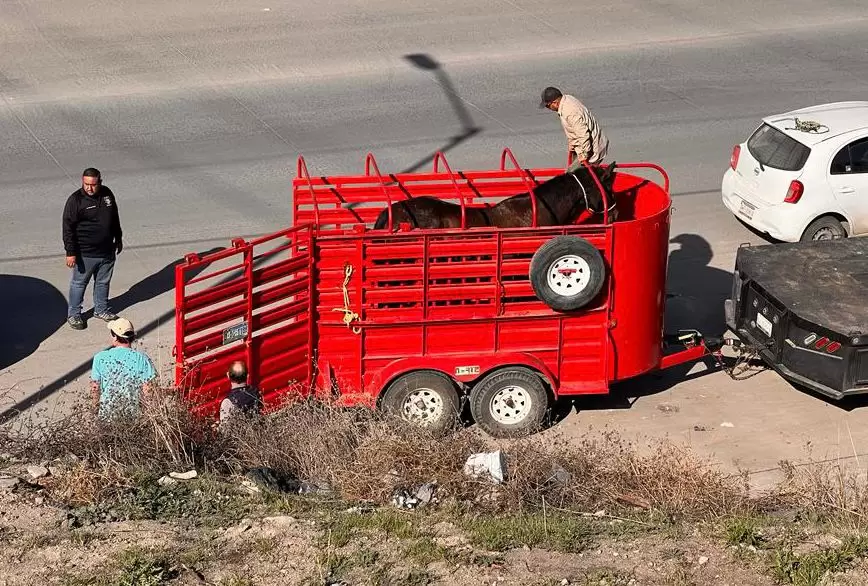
364,455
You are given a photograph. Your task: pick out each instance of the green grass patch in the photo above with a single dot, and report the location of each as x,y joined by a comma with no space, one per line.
744,531
556,532
809,569
338,530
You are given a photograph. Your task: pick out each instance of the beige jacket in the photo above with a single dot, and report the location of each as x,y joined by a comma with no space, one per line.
584,135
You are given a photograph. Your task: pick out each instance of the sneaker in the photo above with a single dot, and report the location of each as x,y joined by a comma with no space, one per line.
75,322
105,316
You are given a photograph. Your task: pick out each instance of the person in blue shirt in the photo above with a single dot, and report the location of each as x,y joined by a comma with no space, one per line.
121,375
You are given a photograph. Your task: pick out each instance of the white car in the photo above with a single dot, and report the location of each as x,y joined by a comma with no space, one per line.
803,175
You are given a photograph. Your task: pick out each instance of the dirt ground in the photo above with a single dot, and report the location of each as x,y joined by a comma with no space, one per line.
39,545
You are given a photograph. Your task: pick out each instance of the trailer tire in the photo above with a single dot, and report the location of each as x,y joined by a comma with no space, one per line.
567,273
510,402
426,398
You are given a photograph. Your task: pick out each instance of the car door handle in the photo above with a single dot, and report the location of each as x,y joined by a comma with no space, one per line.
847,190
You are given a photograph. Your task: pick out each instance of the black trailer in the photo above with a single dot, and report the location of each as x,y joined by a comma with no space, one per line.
803,307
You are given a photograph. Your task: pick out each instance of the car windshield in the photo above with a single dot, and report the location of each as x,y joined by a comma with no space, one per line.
773,148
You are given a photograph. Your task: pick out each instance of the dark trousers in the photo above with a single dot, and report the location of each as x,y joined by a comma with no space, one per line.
101,270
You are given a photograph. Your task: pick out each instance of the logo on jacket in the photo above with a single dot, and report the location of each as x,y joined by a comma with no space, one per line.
107,201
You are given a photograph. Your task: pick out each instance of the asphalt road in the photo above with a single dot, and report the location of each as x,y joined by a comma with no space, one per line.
195,113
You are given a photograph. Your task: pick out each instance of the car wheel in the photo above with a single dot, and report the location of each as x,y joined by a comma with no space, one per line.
825,228
567,273
426,398
510,402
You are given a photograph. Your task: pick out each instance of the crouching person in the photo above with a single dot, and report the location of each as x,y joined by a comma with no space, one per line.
243,399
120,376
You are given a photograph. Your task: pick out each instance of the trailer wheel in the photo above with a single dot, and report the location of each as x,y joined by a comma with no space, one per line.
426,398
567,272
510,402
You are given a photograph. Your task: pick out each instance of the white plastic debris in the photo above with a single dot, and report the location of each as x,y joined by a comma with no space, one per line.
492,464
166,481
188,475
727,424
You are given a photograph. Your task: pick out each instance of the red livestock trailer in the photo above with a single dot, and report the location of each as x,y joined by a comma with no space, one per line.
418,321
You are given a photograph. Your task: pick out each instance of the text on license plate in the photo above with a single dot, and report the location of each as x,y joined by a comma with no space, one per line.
764,324
746,209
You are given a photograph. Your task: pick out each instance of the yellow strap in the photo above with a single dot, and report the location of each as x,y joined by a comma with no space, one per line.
349,314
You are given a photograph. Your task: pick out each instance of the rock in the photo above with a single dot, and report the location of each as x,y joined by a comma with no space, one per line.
491,464
703,560
189,475
282,520
37,472
166,481
700,428
727,424
667,408
9,482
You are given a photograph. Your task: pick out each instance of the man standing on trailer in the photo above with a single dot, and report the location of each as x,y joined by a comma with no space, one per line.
585,138
92,238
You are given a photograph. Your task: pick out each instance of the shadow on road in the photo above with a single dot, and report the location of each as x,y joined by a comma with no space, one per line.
149,287
34,310
468,127
153,285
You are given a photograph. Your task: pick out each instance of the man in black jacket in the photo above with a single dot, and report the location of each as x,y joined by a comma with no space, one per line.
92,237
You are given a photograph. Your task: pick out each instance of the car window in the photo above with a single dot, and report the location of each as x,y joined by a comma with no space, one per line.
859,156
841,162
853,158
773,148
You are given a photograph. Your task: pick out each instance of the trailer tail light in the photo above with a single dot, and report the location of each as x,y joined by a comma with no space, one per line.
821,343
833,347
794,193
733,158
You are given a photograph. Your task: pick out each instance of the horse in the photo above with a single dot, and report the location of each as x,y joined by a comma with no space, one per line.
559,202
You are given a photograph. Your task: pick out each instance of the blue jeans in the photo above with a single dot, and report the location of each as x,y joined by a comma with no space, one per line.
101,270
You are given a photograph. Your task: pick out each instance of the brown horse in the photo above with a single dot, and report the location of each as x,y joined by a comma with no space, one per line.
559,202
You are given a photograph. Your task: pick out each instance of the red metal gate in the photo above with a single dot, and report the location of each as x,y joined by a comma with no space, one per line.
251,302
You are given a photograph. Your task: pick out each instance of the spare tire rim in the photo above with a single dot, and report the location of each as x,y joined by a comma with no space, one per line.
422,406
569,275
511,405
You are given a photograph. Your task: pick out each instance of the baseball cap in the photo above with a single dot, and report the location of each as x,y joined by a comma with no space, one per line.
121,327
549,95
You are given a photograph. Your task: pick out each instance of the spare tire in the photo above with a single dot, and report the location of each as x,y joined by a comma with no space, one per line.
567,273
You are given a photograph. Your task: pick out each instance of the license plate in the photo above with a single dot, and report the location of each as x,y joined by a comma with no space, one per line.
746,209
764,324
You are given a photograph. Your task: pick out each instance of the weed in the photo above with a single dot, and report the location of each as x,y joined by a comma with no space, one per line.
744,531
425,551
366,558
339,530
417,577
143,568
810,568
558,533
